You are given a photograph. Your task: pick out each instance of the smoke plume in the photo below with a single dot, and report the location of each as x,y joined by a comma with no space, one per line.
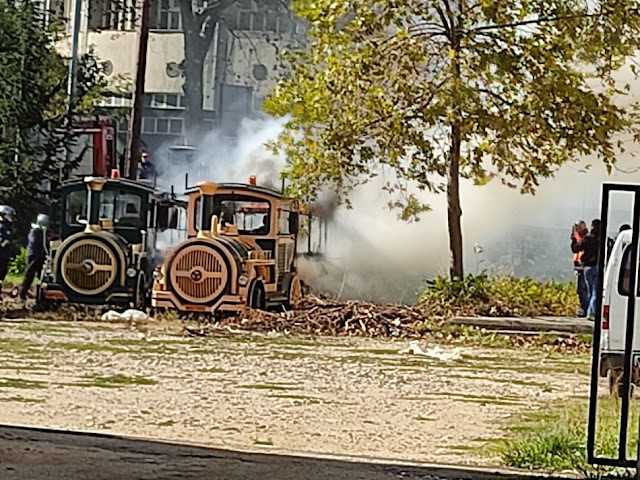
371,254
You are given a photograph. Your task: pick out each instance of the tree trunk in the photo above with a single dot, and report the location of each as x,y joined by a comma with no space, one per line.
454,212
193,90
198,32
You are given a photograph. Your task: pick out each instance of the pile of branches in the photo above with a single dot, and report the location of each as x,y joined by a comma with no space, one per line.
323,316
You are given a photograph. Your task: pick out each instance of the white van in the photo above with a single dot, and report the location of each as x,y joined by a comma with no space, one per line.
614,315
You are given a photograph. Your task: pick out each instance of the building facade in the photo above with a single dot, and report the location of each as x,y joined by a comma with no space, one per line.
241,65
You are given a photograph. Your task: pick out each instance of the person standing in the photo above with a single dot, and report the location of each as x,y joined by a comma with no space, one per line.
590,256
7,249
578,233
36,253
147,170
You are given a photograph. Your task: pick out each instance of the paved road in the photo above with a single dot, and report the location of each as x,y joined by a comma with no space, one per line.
39,454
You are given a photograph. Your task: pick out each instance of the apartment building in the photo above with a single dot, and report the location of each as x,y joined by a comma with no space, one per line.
241,65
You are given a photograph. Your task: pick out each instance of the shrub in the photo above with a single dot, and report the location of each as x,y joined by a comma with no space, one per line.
19,264
498,296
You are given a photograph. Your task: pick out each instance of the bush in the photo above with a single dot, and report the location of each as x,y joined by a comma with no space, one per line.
19,264
498,296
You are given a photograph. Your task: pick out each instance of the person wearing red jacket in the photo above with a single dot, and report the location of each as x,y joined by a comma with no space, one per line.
578,233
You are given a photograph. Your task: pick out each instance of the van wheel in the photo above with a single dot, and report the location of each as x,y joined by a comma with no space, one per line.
257,297
614,379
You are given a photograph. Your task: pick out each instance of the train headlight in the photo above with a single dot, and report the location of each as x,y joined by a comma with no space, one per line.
157,275
131,272
243,280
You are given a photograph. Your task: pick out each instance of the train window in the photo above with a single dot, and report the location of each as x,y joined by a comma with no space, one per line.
288,222
124,208
251,216
76,207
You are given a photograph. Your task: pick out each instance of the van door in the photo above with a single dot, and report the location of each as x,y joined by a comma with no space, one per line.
616,276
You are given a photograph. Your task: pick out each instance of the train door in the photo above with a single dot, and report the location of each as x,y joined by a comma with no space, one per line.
286,242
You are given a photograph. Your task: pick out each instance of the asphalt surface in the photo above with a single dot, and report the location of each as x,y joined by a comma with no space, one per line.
39,454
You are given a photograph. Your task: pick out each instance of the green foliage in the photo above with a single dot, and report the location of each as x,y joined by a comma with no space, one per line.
18,265
500,296
554,438
34,127
390,87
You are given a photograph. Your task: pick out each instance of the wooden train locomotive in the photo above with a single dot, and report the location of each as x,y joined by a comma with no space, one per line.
240,250
107,250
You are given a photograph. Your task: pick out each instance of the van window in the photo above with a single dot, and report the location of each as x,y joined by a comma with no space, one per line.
625,273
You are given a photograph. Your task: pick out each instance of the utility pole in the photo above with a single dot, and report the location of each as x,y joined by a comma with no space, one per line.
135,124
73,61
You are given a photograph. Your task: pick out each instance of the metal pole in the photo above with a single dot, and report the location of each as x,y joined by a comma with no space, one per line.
73,61
138,95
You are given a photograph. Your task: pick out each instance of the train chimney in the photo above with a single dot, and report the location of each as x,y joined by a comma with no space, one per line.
252,180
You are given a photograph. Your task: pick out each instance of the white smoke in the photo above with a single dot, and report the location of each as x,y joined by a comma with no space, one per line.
222,159
372,254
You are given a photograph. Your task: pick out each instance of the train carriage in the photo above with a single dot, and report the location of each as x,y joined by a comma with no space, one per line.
241,250
108,230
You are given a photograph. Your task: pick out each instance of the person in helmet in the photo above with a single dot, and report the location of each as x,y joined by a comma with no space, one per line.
147,170
36,253
7,248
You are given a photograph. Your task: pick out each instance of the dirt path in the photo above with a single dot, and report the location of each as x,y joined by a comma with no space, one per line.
267,393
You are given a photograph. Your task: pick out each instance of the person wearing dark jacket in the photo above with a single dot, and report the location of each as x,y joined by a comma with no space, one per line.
7,248
36,253
590,256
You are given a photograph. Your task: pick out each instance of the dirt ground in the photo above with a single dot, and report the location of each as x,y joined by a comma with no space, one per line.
274,394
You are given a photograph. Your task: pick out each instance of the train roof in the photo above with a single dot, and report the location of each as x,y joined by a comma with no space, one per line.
137,184
247,188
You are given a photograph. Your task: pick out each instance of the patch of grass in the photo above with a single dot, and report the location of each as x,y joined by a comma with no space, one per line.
498,296
421,418
22,399
18,346
115,381
87,347
267,442
302,398
554,438
269,386
21,383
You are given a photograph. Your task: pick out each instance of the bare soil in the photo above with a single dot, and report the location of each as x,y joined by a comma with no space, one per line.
274,393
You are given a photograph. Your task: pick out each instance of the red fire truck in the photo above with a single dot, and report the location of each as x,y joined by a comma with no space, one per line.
95,147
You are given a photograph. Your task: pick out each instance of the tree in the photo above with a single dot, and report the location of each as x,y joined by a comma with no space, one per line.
34,129
199,27
438,90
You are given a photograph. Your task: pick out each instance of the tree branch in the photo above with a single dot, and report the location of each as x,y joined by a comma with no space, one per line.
535,21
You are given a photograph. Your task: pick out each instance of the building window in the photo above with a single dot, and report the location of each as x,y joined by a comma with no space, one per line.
254,16
168,16
171,101
111,15
115,101
162,126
